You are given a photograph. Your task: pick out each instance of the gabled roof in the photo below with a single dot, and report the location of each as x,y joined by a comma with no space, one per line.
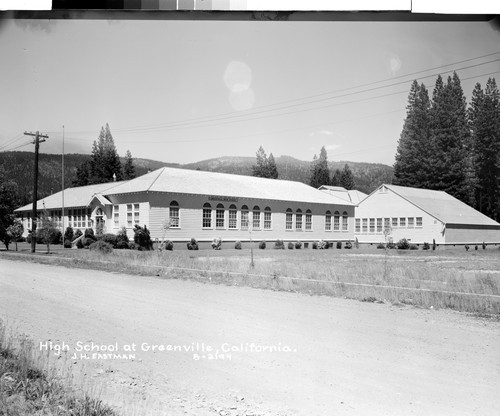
441,205
353,195
222,184
80,196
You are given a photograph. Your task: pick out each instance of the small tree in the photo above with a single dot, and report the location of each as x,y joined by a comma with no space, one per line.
15,231
142,238
47,229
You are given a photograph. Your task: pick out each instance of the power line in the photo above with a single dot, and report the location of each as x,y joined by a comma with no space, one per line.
11,141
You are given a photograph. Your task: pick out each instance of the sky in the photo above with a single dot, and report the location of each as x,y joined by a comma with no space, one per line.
187,90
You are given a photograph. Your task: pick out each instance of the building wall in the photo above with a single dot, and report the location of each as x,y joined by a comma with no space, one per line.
155,210
463,234
386,204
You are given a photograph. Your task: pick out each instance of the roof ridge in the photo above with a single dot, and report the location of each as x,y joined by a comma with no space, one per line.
159,174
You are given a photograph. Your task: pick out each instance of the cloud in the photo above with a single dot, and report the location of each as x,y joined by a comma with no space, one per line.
321,132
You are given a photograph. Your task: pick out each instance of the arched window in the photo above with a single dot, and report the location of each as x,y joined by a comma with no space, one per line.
289,219
233,217
207,215
328,221
308,220
174,215
244,217
345,223
256,218
267,219
336,221
298,219
219,216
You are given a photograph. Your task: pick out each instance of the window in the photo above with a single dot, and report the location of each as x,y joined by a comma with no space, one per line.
345,221
136,214
394,222
328,221
207,215
336,221
402,222
372,225
358,225
129,215
365,225
267,219
289,220
298,220
244,217
256,218
419,221
89,221
116,215
174,215
219,216
387,223
309,220
379,225
233,217
411,222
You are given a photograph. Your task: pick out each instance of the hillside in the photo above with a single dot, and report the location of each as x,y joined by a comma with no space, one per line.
19,167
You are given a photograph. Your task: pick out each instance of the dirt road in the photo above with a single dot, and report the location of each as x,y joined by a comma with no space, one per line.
289,354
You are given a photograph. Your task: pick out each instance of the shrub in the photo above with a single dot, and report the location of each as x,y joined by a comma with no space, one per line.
122,235
77,234
79,243
433,244
67,244
356,242
391,246
290,246
413,247
262,245
68,235
298,245
426,246
110,239
132,245
86,242
193,244
101,246
279,244
403,244
123,245
315,245
322,245
339,244
217,243
168,245
89,233
381,245
484,246
348,245
237,245
142,238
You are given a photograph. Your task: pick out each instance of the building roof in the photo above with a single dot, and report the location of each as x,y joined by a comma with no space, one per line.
185,181
441,205
352,195
80,196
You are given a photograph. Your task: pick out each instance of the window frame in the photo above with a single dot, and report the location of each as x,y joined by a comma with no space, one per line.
289,220
174,220
206,216
232,211
268,219
298,220
308,223
220,217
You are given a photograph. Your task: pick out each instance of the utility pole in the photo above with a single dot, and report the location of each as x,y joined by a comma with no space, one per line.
62,179
38,138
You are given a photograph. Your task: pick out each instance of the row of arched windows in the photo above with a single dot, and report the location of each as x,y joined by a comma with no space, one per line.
258,219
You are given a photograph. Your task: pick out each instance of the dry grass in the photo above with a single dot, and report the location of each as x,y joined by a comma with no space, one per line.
29,386
464,281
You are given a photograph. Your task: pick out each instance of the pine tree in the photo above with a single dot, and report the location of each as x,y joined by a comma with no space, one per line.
320,174
128,168
8,202
82,174
450,138
272,169
484,119
347,178
336,178
265,167
413,153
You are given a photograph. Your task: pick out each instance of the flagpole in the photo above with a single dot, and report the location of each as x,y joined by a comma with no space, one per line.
62,176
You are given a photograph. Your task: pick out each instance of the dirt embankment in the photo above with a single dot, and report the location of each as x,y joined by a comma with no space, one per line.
242,351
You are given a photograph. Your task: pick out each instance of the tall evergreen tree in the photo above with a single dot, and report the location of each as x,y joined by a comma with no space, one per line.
320,174
347,178
336,178
129,168
484,118
272,169
265,167
450,138
8,202
413,153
